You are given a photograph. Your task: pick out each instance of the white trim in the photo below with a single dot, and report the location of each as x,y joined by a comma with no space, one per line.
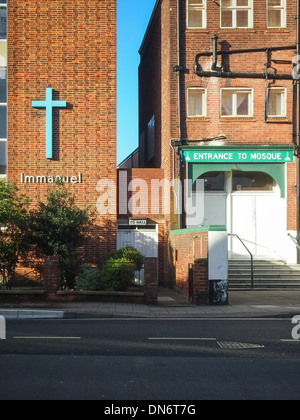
283,104
234,8
234,91
204,102
282,7
204,16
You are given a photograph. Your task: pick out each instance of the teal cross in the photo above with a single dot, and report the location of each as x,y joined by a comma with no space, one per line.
49,104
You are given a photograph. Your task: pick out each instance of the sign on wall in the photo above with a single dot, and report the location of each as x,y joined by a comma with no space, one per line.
217,155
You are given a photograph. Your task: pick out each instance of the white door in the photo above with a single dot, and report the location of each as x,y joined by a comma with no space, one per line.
260,221
143,239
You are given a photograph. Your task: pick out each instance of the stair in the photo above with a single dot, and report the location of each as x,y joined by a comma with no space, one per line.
267,275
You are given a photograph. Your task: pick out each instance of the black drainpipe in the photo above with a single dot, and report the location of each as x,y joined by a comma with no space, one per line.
179,113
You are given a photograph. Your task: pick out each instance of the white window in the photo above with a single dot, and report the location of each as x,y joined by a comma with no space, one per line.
276,13
151,139
196,102
277,102
236,13
3,19
236,102
196,14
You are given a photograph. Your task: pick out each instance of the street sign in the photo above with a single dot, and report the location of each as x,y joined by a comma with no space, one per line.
133,222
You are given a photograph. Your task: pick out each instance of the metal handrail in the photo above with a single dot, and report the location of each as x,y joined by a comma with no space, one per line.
251,256
296,242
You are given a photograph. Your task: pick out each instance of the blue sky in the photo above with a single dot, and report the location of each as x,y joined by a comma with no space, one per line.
133,19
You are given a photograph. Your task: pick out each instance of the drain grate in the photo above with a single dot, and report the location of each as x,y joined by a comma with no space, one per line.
238,346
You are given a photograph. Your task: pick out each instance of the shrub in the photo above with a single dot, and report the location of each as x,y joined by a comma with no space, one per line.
116,274
59,227
89,279
131,254
118,270
13,229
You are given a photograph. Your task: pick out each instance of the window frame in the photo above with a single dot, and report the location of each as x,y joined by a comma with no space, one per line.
283,103
204,16
255,190
283,9
204,102
3,174
151,138
234,92
234,9
4,5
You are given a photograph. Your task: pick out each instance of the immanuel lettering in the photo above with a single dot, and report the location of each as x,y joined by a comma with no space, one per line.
43,179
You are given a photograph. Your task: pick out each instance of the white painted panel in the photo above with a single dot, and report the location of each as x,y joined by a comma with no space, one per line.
214,209
218,255
260,221
144,241
270,226
243,224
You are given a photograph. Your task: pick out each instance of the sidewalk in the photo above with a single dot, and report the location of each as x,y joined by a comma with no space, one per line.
242,304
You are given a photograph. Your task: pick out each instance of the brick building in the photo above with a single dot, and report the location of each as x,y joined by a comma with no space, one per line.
218,103
58,113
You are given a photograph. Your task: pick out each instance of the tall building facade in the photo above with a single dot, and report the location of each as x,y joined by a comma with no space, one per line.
59,59
3,87
218,104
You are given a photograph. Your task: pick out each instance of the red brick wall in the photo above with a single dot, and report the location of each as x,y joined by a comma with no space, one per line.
69,46
147,176
191,248
158,84
151,280
141,182
51,276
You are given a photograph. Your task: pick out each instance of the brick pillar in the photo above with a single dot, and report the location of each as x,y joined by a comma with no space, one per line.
51,277
200,279
151,280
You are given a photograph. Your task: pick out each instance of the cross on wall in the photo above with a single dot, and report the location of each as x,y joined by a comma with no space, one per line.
49,104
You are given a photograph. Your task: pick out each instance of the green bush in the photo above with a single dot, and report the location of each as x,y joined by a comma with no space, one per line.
131,254
118,270
89,279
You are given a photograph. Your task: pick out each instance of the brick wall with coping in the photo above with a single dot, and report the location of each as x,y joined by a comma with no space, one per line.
191,248
69,46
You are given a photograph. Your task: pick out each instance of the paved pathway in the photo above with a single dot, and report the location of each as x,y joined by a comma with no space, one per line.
242,304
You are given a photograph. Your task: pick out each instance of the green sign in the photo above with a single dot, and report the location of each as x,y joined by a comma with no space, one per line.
217,155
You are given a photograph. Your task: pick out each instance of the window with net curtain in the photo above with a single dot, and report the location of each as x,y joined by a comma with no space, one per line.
277,102
276,13
236,103
196,14
196,102
236,13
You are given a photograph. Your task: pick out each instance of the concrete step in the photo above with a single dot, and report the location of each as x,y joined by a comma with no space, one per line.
267,275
